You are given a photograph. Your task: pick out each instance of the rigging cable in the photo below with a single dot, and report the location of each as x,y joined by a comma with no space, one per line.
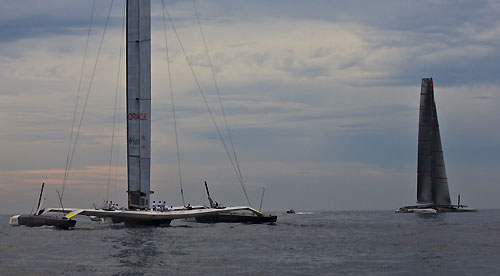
204,98
262,198
120,131
173,106
121,128
86,100
116,101
66,169
240,176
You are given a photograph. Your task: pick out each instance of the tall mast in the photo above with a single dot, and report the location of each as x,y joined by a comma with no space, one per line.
138,102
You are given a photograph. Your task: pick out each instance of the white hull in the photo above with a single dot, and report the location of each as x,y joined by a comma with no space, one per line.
434,209
147,217
424,211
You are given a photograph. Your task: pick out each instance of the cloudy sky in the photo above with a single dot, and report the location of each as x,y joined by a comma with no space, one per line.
321,98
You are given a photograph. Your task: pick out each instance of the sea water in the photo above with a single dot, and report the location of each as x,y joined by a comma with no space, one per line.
306,243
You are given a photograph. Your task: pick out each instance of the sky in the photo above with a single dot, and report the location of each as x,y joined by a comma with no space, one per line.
321,98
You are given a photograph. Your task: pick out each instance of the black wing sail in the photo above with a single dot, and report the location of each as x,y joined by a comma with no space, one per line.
424,180
432,183
440,192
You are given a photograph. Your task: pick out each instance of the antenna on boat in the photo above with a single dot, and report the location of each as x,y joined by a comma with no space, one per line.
39,199
208,193
37,205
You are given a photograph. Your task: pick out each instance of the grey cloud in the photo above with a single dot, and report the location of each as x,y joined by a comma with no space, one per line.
55,17
485,98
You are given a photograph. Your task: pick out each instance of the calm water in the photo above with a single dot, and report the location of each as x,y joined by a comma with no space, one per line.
318,243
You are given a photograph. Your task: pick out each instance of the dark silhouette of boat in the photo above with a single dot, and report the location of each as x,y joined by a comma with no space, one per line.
237,217
433,195
38,219
41,220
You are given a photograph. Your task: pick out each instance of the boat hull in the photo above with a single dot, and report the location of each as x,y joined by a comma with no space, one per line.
432,209
236,218
157,218
141,221
37,221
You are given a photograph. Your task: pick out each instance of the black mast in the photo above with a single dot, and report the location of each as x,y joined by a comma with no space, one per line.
39,199
208,193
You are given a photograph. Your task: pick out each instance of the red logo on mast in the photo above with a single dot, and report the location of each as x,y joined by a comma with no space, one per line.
137,116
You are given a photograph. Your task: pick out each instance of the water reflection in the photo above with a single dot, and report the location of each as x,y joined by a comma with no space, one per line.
431,216
137,250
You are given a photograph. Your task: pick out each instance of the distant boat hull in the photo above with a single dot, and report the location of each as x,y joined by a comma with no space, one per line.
37,221
432,209
236,218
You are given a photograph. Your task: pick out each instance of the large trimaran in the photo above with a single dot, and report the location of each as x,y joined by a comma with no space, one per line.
433,195
139,134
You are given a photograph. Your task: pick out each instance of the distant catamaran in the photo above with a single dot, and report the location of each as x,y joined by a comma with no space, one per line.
432,184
